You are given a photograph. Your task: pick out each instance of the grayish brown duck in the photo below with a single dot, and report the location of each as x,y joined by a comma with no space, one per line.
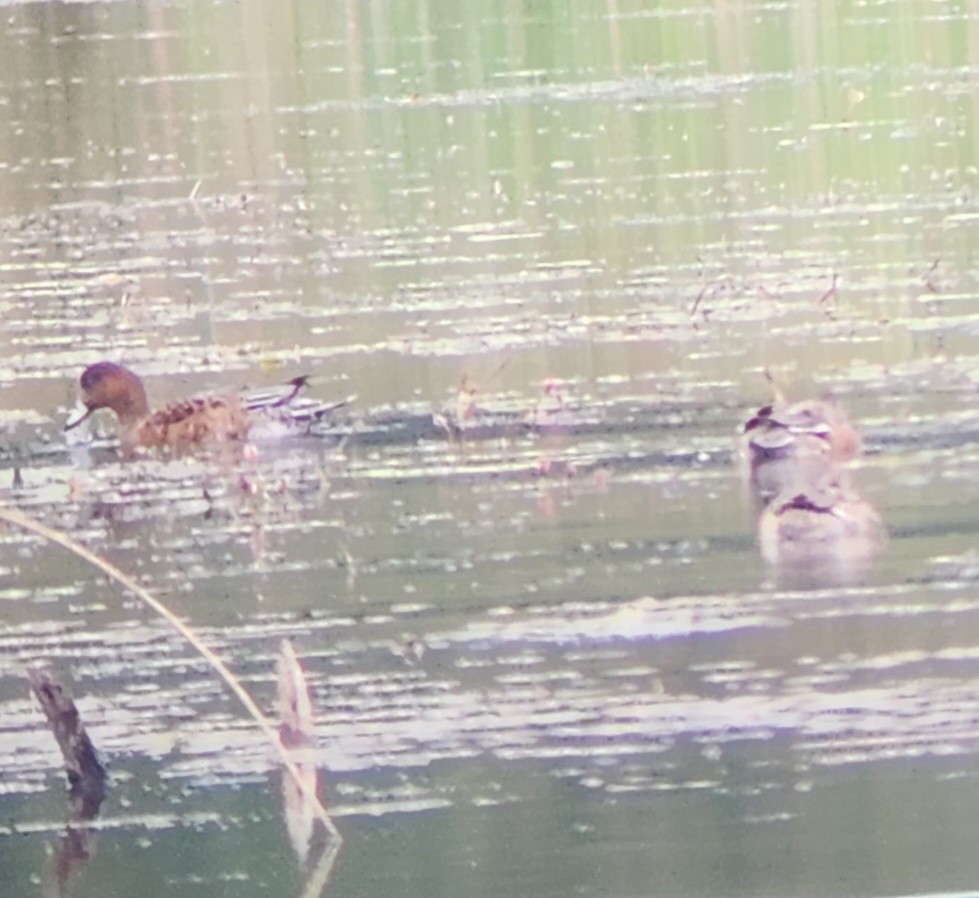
781,439
817,520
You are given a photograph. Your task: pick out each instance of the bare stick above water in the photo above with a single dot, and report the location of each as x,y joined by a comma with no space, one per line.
86,775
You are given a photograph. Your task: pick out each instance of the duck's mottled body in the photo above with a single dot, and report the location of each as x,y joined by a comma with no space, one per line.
198,420
812,426
819,519
779,441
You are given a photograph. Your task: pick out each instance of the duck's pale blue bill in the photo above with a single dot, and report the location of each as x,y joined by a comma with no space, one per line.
78,414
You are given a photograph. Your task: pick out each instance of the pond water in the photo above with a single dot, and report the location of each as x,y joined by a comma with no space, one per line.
545,654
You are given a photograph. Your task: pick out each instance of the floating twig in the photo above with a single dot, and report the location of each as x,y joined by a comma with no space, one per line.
696,302
776,389
831,292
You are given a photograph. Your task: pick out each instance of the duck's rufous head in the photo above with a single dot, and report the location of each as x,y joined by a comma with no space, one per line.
108,385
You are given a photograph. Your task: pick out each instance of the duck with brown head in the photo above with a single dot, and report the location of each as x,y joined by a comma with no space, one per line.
178,425
107,385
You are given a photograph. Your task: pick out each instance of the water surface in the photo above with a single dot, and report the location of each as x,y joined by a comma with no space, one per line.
552,255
